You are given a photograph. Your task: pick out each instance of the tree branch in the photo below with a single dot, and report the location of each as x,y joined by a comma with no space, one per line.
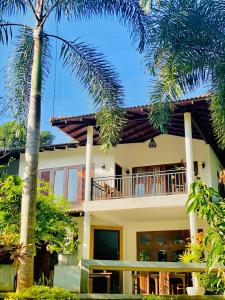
50,10
32,8
15,24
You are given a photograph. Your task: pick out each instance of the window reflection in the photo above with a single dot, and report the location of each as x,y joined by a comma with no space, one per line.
162,255
58,182
161,239
72,185
145,255
145,240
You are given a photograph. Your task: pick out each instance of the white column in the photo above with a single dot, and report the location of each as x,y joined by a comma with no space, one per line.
190,179
190,169
87,221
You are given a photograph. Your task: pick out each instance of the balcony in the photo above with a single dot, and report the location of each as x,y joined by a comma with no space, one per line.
139,185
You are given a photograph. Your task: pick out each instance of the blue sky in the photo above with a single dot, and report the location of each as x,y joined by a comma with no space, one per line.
70,98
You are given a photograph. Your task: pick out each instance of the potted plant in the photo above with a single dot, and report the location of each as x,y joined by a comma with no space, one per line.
68,255
194,254
67,273
67,250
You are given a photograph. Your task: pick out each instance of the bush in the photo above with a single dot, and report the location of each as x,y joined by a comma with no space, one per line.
42,292
212,283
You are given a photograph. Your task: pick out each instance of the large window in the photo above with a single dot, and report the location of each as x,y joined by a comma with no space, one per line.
161,245
67,181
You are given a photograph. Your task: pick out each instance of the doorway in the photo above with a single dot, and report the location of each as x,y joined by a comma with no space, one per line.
106,244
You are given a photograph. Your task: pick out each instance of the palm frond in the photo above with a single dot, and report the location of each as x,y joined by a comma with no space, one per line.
218,117
5,32
188,49
18,73
101,81
129,13
11,7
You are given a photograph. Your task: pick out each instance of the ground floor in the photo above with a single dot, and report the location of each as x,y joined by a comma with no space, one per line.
144,235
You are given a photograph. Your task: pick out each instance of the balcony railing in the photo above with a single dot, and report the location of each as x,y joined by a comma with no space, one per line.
139,185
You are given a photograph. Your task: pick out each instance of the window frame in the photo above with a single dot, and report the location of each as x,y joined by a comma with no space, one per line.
77,198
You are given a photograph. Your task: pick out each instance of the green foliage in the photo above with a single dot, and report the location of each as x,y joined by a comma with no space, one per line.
193,253
187,48
52,221
208,205
212,283
13,136
42,292
99,78
81,60
18,73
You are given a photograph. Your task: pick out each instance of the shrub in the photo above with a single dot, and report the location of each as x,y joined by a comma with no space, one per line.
42,292
212,283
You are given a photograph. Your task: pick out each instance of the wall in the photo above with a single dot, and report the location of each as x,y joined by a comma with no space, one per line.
129,236
170,149
215,167
70,157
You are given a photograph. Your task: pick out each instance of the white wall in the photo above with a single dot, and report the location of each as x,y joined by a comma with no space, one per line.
130,230
71,157
215,167
170,149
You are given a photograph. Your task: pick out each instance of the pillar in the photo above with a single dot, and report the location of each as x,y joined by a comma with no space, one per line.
87,221
189,169
190,179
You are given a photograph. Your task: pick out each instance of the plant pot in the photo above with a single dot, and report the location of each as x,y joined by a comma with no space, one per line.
67,259
196,291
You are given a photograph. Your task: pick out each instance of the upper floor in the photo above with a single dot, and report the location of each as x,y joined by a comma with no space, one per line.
127,171
146,169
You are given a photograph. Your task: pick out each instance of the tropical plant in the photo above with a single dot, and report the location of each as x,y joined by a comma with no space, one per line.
208,205
187,49
194,253
213,284
52,221
13,136
29,67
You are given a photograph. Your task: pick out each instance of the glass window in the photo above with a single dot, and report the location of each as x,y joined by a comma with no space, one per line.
145,255
140,189
144,239
176,255
72,185
177,239
58,182
162,255
161,239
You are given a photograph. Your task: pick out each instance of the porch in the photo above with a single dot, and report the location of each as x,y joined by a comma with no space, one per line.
139,185
164,270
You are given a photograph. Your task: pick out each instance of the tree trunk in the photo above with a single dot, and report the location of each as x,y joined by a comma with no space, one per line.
29,194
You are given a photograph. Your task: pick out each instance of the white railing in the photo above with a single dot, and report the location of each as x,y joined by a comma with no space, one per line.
139,185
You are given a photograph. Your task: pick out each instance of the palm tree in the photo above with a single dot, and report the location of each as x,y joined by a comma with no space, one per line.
187,49
29,68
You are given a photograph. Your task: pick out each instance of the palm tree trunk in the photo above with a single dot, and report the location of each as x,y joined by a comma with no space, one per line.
29,194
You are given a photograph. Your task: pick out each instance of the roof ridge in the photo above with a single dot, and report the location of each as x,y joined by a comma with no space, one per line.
61,118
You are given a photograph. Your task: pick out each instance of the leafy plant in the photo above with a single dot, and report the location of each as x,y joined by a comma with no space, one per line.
42,292
13,136
52,221
213,284
208,205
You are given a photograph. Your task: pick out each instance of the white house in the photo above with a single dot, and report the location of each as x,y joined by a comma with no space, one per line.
130,202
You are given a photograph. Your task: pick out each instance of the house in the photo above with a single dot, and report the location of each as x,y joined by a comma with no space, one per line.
130,202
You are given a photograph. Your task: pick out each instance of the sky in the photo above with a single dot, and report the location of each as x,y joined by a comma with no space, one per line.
63,94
